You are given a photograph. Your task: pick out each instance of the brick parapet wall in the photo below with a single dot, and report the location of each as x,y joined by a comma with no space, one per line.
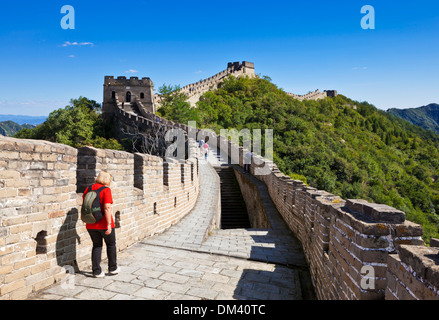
343,240
40,197
356,250
194,90
316,95
353,247
413,274
41,185
235,69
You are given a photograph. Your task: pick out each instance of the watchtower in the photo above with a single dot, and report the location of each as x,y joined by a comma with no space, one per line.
245,68
128,92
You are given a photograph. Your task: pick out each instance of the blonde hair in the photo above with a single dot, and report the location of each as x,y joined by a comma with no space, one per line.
104,178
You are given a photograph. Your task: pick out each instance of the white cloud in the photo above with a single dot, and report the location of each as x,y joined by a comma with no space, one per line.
131,71
199,71
359,68
80,44
71,56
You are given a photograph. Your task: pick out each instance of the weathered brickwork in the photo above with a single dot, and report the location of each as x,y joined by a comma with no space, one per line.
195,90
37,199
41,186
413,274
132,90
351,245
356,250
315,95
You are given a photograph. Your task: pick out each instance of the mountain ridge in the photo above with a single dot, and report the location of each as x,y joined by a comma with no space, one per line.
426,117
23,119
345,147
10,128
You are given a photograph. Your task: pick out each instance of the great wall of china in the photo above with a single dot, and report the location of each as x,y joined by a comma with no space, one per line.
355,249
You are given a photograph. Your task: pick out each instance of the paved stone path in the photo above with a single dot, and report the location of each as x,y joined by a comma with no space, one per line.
188,263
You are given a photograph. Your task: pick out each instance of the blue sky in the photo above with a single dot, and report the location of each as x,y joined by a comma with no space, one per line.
301,45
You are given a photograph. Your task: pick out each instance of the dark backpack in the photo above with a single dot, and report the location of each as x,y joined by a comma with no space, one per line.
91,207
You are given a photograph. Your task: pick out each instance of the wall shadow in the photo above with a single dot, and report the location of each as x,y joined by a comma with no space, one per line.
86,168
66,241
273,247
283,283
291,278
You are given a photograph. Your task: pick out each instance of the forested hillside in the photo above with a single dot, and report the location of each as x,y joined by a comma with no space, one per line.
349,148
339,145
9,128
426,117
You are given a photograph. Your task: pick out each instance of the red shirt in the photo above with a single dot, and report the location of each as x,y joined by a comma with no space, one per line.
105,197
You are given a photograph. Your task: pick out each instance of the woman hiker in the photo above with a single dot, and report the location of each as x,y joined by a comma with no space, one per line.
103,230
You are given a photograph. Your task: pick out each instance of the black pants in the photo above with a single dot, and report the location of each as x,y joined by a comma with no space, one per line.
110,241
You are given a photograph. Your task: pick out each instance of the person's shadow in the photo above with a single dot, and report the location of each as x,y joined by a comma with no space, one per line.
66,241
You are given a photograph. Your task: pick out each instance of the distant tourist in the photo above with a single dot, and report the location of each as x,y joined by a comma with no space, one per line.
103,229
205,150
247,161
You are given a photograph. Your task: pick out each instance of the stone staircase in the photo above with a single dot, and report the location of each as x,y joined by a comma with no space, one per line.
233,209
131,108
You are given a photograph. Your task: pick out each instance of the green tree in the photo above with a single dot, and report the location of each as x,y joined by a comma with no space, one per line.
357,152
78,124
174,105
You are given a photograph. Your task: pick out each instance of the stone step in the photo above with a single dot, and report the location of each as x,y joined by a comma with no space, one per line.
233,209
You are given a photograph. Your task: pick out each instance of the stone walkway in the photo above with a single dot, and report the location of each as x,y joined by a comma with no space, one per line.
188,262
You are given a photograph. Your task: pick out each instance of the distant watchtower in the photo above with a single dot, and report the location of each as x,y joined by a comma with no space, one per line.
128,94
245,68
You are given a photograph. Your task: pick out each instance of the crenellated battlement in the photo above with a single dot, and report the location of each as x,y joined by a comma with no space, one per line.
127,90
124,81
316,95
41,186
355,249
237,69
